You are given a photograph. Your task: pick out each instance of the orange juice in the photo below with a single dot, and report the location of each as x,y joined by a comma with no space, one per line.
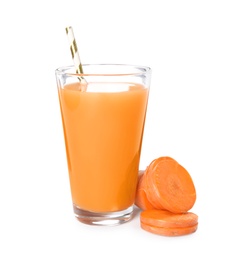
103,135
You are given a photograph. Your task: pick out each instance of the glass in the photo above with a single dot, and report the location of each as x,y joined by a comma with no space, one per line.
103,113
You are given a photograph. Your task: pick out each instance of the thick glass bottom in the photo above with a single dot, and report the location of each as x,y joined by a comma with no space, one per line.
103,218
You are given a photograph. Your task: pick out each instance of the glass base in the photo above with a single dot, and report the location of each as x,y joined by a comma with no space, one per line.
103,218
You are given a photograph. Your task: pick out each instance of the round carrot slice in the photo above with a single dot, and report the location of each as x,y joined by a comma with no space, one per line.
166,223
167,219
171,232
171,186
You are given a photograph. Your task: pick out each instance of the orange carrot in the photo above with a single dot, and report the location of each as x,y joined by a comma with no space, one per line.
166,192
169,231
169,186
166,223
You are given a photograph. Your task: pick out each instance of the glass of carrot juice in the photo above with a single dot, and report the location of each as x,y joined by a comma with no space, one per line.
103,113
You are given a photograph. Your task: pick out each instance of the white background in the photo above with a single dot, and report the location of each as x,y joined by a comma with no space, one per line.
197,114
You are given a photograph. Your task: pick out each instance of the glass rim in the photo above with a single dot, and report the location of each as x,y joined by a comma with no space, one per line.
140,70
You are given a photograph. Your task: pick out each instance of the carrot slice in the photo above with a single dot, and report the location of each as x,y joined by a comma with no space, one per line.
141,200
167,219
166,223
171,232
171,186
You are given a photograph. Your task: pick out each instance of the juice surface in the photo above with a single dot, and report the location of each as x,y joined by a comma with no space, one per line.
103,136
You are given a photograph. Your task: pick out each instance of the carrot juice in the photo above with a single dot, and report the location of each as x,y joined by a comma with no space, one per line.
103,113
103,135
